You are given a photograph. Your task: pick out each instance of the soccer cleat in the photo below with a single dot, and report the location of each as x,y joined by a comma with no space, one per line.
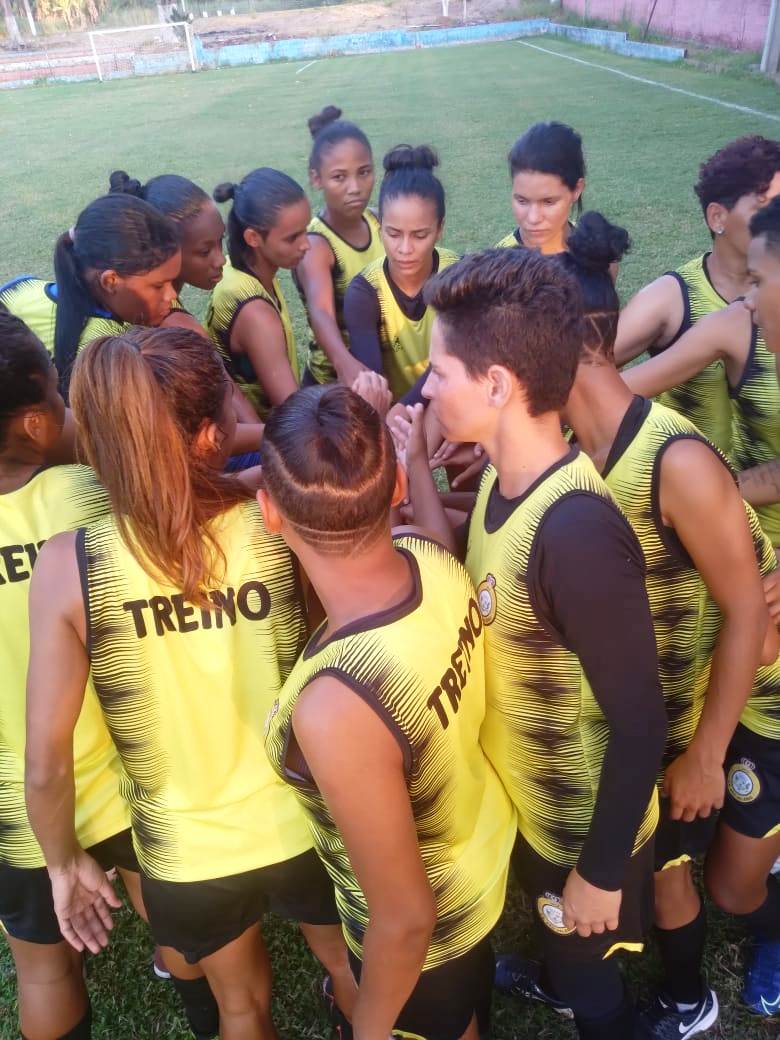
663,1020
518,977
761,992
342,1027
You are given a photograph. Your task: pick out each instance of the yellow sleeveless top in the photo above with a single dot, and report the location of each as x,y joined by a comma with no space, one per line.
185,690
236,289
405,343
61,498
420,667
542,718
349,261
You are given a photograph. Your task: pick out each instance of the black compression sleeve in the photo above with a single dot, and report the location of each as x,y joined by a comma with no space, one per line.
362,317
589,572
414,396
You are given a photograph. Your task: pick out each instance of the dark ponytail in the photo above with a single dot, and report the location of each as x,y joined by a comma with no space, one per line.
177,197
409,171
552,148
327,129
115,232
257,201
591,249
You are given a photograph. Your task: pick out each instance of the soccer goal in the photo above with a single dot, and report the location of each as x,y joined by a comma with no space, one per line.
143,50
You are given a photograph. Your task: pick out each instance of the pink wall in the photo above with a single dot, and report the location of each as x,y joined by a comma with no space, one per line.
734,23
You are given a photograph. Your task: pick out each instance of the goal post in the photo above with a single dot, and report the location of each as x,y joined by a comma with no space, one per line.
141,50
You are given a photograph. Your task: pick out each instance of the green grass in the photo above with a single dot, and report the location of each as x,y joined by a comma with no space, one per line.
644,145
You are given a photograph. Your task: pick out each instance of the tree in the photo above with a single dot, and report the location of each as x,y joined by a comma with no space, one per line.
11,26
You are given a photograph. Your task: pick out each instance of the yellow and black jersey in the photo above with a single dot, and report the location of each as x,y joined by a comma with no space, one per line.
348,262
510,240
545,731
420,667
57,499
35,302
236,289
679,599
704,399
756,400
184,691
404,341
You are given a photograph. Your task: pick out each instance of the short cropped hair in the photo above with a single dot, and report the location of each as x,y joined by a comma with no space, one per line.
742,167
516,308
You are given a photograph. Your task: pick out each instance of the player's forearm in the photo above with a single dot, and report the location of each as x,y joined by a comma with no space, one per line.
328,336
760,485
429,510
50,796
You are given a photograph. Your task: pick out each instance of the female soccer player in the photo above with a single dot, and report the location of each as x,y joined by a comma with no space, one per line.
707,604
732,185
547,167
376,729
248,319
388,322
35,503
344,238
115,267
192,617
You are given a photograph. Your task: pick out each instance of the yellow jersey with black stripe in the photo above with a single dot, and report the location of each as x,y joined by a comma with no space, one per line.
35,302
61,498
762,711
510,240
348,262
420,667
185,690
234,291
704,399
405,343
544,730
756,400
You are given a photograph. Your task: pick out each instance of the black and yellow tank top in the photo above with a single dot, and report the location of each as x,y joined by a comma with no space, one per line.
756,401
510,240
405,342
236,289
57,499
420,666
35,302
679,598
704,399
544,731
349,261
185,690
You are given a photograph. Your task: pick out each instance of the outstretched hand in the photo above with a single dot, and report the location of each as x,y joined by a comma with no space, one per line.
409,436
83,897
373,388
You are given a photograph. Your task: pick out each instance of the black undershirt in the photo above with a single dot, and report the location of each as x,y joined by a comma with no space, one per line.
586,581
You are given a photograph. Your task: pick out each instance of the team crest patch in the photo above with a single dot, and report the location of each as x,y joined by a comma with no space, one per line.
744,786
550,910
270,717
486,598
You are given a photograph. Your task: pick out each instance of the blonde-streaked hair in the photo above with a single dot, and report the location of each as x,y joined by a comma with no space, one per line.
140,400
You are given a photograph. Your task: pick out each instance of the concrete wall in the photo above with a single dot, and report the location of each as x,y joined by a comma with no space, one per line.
740,24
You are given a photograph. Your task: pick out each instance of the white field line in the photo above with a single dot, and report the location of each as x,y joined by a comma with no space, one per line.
654,83
305,67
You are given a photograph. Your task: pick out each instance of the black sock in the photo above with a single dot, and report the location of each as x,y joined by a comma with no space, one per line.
592,989
622,1024
200,1007
682,952
764,923
82,1030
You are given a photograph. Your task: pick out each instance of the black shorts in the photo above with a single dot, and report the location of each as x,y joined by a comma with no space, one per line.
446,998
543,883
26,905
677,841
197,918
752,805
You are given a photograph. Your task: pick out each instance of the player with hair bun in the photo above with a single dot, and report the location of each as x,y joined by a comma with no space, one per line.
547,167
387,319
344,237
248,319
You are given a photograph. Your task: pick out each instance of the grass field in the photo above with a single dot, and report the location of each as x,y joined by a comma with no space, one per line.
644,145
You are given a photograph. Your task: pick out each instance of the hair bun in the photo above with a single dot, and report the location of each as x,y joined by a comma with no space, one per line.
404,156
595,244
120,183
328,115
225,191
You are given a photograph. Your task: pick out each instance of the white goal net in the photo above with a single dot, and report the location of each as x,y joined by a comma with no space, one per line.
143,50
